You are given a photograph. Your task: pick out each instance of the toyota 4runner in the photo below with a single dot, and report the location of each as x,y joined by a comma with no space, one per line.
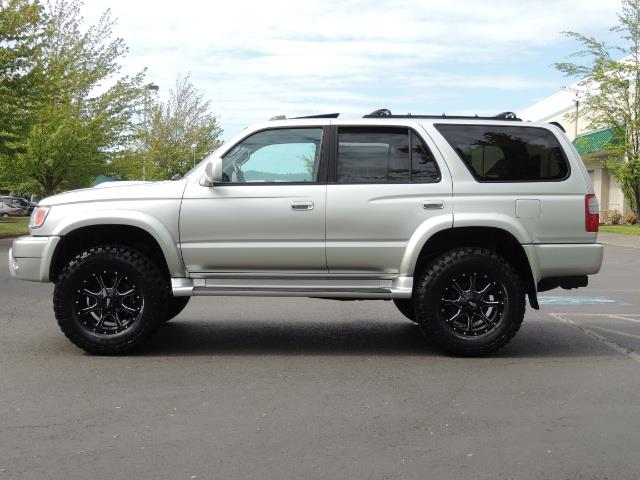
455,219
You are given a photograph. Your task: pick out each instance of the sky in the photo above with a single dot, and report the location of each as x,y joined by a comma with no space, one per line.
257,59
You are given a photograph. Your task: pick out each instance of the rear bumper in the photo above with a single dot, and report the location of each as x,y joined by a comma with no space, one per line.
30,258
565,260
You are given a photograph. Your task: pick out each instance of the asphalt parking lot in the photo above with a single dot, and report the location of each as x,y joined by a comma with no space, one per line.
294,388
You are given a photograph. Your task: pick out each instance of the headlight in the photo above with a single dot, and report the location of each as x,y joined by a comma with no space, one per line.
38,216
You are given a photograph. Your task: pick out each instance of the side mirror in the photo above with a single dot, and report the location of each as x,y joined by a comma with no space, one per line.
212,173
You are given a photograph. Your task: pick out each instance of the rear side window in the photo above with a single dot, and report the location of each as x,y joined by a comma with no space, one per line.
495,153
383,155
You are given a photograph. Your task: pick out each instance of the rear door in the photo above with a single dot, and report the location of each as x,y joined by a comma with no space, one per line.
385,182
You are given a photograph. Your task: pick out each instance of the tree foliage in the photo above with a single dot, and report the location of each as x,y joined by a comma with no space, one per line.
87,109
610,84
20,30
68,114
180,131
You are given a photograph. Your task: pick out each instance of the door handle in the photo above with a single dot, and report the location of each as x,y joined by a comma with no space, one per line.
432,204
298,206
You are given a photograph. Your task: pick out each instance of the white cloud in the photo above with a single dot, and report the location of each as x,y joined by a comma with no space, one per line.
255,59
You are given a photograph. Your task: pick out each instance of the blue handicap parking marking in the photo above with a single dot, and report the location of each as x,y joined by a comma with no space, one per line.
547,300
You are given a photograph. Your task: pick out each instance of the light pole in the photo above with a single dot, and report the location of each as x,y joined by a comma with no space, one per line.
193,151
152,87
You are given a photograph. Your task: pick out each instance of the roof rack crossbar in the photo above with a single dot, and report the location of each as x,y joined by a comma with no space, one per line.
385,113
322,115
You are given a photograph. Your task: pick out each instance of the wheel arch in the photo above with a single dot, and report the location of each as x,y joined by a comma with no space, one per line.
148,235
499,240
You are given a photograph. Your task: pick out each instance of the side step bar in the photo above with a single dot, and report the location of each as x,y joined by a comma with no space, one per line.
293,292
400,287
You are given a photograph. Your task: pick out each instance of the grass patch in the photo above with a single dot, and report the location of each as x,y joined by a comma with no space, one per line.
624,229
14,226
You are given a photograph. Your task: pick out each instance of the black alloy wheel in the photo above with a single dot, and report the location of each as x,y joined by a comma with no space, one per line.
110,299
472,304
108,302
469,301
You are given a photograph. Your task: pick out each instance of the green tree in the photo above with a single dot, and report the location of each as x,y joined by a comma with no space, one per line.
180,131
610,82
87,111
60,150
20,29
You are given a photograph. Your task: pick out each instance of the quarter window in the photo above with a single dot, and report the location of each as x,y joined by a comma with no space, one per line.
495,153
423,165
381,155
278,155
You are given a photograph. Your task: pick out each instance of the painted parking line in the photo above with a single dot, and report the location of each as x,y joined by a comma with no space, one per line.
631,317
627,352
626,317
616,332
549,300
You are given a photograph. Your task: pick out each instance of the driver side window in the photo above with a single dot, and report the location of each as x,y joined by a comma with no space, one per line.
284,155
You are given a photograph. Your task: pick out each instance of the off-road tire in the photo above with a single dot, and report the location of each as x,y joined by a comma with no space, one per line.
406,307
175,305
429,295
148,280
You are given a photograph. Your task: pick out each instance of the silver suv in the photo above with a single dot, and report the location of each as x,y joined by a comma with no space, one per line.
455,219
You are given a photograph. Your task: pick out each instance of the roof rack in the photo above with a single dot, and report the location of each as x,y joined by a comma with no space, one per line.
559,125
386,113
322,115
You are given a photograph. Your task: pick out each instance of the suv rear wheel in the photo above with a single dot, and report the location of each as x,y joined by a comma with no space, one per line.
469,301
110,299
175,306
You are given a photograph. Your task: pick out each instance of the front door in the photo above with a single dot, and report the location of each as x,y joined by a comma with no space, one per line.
269,212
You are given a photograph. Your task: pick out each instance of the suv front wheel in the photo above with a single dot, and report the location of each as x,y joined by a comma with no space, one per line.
469,301
405,306
110,299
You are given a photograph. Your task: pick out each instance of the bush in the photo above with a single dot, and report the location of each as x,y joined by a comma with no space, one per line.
615,217
631,219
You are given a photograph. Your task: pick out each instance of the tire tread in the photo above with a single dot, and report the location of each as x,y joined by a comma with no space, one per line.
155,299
427,320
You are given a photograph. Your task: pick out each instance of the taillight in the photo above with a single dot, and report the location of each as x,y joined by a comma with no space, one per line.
591,212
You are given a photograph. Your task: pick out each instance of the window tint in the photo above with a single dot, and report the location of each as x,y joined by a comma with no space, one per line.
496,153
278,155
423,165
377,155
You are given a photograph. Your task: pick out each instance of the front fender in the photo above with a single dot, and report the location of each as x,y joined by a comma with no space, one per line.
144,221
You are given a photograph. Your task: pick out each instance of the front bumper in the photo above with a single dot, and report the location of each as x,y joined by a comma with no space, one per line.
30,258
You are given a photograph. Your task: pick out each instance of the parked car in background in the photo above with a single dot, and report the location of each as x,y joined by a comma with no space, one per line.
17,202
24,204
6,209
